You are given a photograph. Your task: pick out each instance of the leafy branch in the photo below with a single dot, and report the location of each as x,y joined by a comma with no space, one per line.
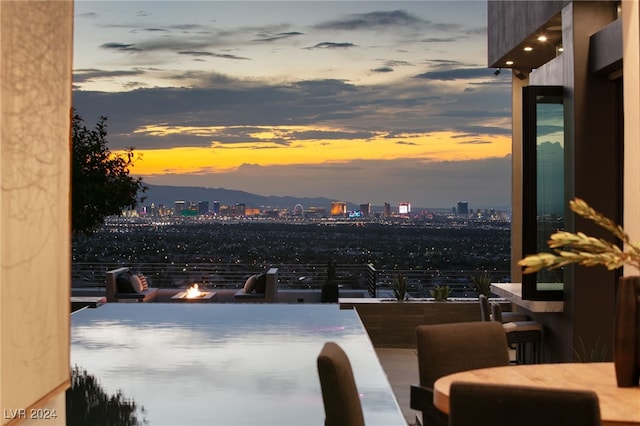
581,249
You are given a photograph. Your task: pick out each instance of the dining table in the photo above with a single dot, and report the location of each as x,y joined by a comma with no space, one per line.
619,406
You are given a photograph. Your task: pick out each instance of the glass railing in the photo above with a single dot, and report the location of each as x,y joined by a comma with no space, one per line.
300,276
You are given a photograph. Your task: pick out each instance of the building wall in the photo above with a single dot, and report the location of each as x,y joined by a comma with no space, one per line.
594,155
631,72
35,102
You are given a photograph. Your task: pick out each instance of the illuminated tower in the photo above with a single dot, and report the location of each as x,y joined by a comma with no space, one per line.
338,208
404,208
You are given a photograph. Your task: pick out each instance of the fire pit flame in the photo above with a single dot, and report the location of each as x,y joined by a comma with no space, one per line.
193,292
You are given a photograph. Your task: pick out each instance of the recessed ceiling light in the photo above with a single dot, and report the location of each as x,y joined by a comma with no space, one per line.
528,49
560,49
542,38
509,62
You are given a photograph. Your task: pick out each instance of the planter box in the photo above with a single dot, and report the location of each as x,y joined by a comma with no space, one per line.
392,324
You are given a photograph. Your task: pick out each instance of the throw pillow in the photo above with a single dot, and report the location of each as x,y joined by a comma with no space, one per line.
250,284
261,283
123,283
136,284
143,280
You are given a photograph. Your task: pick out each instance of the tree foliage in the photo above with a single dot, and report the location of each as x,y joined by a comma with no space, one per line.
100,182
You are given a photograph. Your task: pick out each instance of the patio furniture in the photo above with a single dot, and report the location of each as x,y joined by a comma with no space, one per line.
525,335
448,348
117,293
342,405
618,406
521,405
485,312
260,288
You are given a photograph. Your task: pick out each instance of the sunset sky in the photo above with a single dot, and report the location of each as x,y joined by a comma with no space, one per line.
366,102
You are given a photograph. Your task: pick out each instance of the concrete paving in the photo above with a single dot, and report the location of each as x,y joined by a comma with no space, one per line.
401,367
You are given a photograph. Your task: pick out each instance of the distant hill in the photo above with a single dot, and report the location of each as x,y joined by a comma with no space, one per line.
168,195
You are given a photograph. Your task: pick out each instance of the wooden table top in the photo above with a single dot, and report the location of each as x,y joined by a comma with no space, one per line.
618,406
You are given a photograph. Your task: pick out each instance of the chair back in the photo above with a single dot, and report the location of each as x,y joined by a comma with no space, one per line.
342,405
474,404
496,311
450,348
485,314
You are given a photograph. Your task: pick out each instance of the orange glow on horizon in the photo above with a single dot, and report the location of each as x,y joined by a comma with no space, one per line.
278,146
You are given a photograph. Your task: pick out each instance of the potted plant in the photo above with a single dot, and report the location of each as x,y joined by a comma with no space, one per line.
440,292
399,287
569,248
329,293
481,283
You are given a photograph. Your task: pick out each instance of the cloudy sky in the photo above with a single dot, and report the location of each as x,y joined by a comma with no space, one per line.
357,101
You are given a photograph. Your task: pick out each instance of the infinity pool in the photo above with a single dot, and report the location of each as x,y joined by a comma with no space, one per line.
227,364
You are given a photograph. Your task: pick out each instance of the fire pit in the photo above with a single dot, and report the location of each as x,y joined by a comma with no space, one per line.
194,294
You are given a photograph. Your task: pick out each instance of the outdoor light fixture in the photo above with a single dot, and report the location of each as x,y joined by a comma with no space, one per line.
497,72
519,74
528,49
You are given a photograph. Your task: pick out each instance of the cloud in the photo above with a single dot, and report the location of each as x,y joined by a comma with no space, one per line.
275,37
415,105
155,30
331,45
122,47
372,21
440,40
382,69
210,54
83,75
456,74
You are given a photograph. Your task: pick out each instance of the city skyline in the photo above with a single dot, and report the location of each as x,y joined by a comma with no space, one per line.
345,100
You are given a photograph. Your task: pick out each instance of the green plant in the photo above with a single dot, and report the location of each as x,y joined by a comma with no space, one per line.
440,292
596,354
569,247
399,287
481,283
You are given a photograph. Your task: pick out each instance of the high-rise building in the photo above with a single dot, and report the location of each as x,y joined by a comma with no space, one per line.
178,207
239,209
387,210
404,208
216,207
203,207
338,208
463,208
365,209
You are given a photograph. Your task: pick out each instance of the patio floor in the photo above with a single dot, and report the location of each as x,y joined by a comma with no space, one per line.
401,368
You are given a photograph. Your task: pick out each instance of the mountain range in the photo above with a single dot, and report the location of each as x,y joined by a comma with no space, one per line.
168,195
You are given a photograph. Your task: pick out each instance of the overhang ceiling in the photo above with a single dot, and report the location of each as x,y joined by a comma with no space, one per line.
541,51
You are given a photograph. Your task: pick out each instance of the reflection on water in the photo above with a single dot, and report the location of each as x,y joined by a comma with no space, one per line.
89,404
227,364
